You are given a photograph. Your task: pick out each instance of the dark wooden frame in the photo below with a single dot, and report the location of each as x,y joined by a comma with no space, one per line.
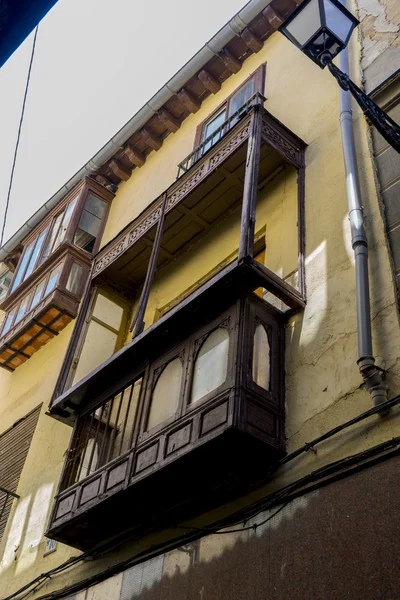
259,86
81,191
233,408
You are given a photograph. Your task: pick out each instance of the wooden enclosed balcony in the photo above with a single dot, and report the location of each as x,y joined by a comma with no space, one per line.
51,273
197,399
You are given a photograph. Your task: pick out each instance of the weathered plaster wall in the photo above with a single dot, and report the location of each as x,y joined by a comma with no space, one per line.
380,39
323,383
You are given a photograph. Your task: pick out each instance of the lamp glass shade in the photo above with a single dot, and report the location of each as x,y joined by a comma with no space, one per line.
306,23
338,22
320,28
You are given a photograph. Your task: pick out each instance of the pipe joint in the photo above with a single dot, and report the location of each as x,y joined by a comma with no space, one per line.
373,379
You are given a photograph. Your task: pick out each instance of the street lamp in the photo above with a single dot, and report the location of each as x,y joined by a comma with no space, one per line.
321,29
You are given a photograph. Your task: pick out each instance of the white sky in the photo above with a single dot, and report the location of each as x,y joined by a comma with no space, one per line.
96,63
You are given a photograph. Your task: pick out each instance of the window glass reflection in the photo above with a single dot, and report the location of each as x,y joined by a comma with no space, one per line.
165,397
211,364
261,357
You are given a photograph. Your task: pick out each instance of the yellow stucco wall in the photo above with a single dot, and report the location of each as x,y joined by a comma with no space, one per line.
322,379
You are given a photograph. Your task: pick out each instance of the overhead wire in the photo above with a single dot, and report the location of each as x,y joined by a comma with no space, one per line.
10,184
282,497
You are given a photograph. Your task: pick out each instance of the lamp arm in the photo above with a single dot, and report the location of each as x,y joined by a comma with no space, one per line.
388,129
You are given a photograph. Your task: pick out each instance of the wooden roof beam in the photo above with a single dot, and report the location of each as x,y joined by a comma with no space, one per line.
189,101
252,41
150,139
169,120
230,61
119,170
273,17
210,83
134,156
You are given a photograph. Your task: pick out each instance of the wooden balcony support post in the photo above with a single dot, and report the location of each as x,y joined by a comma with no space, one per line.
138,321
247,225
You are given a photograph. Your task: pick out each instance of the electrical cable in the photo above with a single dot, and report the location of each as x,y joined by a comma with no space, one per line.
18,136
240,516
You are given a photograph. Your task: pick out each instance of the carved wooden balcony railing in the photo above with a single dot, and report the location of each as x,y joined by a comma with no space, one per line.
202,196
197,399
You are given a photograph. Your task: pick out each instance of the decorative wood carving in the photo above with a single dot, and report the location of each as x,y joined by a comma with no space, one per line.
281,142
232,63
210,83
134,156
273,17
189,101
169,121
151,140
119,170
251,40
175,194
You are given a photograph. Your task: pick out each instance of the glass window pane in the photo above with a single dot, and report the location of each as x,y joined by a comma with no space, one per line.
8,322
337,22
51,284
99,345
64,225
54,227
22,308
22,266
108,311
90,223
240,98
212,126
261,357
211,364
165,398
5,281
306,23
38,294
35,253
74,278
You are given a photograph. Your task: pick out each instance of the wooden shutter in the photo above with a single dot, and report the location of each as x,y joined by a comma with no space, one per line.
14,446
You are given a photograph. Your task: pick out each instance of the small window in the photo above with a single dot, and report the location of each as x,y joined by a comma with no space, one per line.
35,254
51,284
22,266
5,281
8,322
90,223
165,397
211,128
23,307
38,294
211,364
74,278
261,357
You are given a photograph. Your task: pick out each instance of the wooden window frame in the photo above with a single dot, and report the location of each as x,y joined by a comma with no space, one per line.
81,334
187,352
80,193
259,86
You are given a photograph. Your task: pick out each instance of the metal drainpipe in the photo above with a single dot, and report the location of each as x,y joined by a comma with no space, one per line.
371,374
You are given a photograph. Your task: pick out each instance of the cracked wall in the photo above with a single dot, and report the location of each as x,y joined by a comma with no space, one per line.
380,39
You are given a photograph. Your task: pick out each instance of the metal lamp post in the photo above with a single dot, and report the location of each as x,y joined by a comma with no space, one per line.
321,29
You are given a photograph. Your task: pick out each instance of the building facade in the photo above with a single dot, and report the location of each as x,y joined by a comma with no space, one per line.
182,412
